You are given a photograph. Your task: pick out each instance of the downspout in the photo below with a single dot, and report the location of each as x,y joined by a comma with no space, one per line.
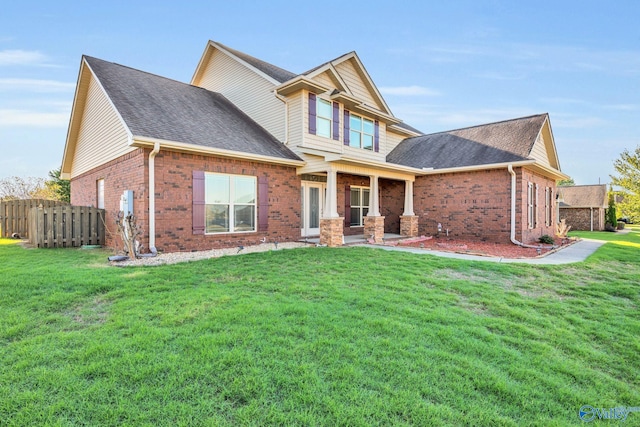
513,210
152,198
286,117
591,218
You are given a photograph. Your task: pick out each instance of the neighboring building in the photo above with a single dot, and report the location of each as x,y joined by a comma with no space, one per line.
583,206
249,151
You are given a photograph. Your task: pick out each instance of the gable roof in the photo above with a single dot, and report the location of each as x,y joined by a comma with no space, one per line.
156,107
583,196
495,143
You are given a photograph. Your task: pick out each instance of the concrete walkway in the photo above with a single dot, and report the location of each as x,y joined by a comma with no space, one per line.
577,252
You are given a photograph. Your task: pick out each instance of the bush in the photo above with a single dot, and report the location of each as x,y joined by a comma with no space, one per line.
546,239
621,225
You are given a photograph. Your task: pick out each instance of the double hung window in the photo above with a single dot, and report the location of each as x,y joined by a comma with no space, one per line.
359,205
230,203
361,132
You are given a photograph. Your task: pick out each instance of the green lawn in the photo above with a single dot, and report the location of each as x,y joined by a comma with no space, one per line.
318,336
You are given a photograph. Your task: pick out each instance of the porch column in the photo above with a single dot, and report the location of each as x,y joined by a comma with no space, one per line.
374,203
408,220
331,201
331,224
374,222
408,198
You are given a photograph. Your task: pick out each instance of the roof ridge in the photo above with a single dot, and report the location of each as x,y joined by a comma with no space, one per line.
326,62
142,71
487,124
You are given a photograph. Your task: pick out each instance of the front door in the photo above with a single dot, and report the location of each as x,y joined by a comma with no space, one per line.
312,197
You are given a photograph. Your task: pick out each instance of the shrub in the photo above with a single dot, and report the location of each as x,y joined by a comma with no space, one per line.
546,239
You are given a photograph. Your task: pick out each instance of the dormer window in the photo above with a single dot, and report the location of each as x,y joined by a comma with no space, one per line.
324,117
361,132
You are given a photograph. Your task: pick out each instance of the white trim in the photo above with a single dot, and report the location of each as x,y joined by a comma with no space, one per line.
142,141
230,204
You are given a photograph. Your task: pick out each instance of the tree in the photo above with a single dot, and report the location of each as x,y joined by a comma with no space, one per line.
628,178
15,187
611,221
60,187
566,182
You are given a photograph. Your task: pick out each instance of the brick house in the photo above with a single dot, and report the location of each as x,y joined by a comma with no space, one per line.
249,151
583,207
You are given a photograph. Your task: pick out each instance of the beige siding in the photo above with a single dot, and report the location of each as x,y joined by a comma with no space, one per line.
249,91
102,136
297,119
314,164
326,80
539,151
393,139
356,83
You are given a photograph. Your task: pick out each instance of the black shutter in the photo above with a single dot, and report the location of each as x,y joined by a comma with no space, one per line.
198,202
347,115
312,113
347,206
263,204
376,138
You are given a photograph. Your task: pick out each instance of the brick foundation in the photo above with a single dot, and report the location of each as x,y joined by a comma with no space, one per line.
409,226
374,226
331,231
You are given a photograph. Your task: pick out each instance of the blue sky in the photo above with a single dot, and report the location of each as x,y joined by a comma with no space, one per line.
439,65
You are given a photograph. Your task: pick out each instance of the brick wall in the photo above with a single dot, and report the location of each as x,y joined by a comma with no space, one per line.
580,218
531,235
391,204
127,172
174,200
477,205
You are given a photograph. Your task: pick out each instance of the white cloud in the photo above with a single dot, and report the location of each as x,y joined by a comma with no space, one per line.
23,57
35,85
37,119
408,91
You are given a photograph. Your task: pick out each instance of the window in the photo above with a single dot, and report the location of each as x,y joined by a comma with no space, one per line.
531,205
359,205
230,203
323,118
100,193
361,132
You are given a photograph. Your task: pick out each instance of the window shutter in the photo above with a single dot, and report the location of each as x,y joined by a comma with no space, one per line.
376,137
346,127
263,204
336,121
347,206
312,113
198,202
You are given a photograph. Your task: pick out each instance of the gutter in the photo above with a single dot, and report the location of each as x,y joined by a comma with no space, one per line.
152,198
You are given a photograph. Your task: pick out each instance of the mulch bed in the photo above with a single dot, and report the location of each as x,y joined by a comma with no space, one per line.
502,250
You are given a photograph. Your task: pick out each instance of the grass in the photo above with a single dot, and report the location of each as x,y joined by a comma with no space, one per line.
319,336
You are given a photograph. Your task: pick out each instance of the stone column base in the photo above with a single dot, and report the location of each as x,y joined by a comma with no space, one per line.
409,225
331,231
374,226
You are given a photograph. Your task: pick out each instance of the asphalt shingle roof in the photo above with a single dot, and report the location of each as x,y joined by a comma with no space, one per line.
501,142
584,196
157,107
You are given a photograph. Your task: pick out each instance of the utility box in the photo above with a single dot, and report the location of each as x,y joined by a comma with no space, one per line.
126,202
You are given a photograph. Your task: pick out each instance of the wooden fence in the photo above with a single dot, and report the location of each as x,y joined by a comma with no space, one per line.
66,226
14,215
